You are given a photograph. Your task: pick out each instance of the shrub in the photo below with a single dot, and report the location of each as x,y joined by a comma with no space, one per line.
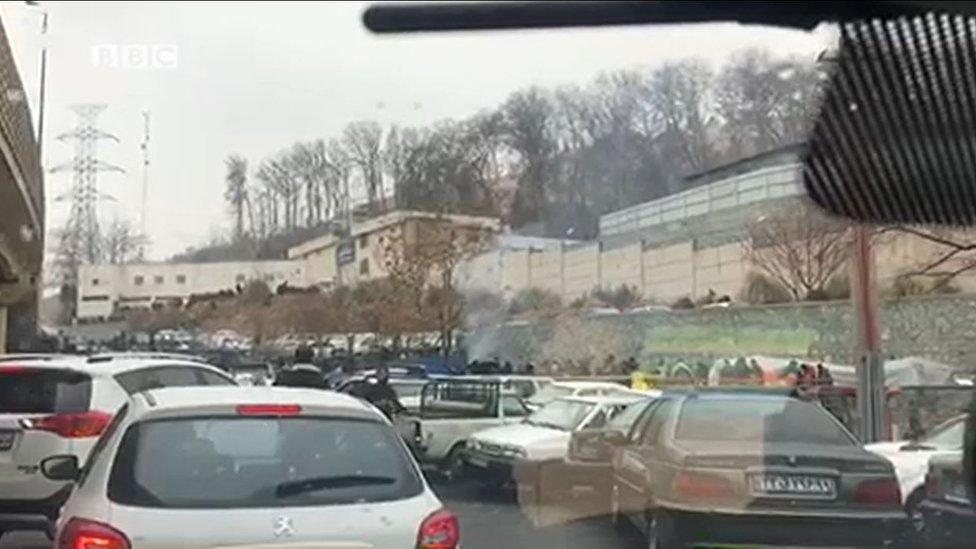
683,303
761,290
904,286
838,287
534,299
622,298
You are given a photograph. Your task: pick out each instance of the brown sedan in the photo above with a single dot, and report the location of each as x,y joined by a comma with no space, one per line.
743,468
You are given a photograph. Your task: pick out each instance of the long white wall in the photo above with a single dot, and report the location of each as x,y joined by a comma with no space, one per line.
102,288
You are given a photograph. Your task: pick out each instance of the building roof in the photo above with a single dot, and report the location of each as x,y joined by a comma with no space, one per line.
385,220
781,155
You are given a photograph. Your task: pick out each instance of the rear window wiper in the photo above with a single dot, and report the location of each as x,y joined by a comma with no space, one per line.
296,487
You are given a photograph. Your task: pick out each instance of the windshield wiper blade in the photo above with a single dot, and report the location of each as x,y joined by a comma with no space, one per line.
296,487
458,16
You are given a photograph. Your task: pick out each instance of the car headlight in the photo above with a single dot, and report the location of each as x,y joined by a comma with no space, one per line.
473,444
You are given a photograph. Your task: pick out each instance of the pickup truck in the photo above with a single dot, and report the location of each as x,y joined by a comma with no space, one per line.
450,411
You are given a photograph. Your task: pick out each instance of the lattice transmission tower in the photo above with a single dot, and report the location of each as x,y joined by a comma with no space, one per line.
81,239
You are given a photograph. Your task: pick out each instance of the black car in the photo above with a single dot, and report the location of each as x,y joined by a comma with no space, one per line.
948,515
704,468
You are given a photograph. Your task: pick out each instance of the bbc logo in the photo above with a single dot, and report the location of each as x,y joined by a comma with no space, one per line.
134,56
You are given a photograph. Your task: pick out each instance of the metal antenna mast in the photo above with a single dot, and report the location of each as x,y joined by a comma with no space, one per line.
145,180
82,231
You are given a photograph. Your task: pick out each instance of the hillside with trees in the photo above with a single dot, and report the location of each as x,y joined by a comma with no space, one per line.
552,160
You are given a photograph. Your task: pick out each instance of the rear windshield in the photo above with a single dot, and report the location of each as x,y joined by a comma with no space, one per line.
42,391
759,420
233,462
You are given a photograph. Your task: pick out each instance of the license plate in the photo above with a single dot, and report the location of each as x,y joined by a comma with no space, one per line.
478,461
7,440
806,486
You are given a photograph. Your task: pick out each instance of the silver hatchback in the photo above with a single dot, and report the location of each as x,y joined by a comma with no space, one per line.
249,468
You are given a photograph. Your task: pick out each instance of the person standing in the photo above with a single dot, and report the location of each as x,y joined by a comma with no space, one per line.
377,391
303,372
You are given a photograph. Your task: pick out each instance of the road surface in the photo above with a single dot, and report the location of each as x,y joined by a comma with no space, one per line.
488,520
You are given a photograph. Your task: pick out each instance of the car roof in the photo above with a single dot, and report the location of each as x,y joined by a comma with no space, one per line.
731,395
175,399
609,400
504,377
589,384
113,366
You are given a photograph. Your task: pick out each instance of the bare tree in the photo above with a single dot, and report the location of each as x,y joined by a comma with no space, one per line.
235,191
122,242
953,254
798,248
363,144
680,93
421,260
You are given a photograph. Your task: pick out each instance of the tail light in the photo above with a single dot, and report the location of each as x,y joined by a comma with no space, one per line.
87,534
439,531
931,484
700,487
883,492
75,425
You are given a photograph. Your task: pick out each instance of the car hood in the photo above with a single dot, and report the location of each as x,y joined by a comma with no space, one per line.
886,448
538,442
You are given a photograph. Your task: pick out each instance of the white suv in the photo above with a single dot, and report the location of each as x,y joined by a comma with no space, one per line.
54,407
249,467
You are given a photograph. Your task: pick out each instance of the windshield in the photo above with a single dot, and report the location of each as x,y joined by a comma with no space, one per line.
39,391
235,463
759,422
555,210
549,393
947,437
565,415
626,417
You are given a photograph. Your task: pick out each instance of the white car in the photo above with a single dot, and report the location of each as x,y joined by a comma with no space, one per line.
449,412
249,467
543,436
559,389
523,385
52,407
911,458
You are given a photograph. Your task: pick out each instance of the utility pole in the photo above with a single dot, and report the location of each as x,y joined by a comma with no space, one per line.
82,232
870,361
145,182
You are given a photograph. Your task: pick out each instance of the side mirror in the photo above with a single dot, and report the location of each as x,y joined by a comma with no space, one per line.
63,468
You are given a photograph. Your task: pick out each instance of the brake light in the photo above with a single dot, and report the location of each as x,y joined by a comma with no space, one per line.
12,370
439,531
883,492
699,487
75,425
88,534
269,410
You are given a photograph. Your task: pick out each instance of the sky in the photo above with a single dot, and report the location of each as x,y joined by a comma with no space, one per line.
251,78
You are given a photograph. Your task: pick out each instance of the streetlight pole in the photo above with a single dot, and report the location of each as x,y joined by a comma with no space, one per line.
43,85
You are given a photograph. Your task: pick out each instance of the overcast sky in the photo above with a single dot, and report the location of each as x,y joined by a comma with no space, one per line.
252,78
